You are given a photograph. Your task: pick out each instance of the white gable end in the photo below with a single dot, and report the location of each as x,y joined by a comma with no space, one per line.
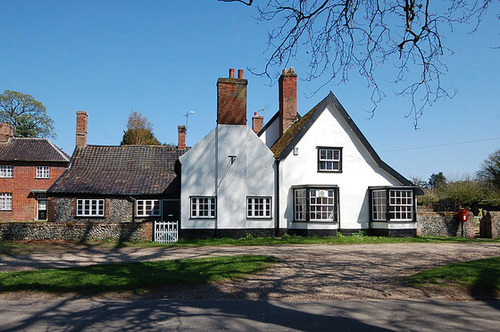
359,171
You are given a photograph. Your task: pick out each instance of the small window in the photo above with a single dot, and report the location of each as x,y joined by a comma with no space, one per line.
6,171
329,159
42,172
148,208
259,207
90,208
5,201
316,204
41,206
202,207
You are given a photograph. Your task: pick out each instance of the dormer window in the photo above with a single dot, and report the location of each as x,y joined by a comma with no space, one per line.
329,159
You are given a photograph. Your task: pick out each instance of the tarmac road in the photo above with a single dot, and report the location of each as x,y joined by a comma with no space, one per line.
247,315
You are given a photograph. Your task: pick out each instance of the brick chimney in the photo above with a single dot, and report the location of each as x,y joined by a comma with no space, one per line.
288,99
257,123
81,129
6,132
232,99
181,145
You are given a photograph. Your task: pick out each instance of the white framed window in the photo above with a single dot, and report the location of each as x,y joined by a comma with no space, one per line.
329,159
299,198
322,205
316,204
392,204
43,172
147,207
41,200
90,207
5,201
379,205
258,207
401,205
202,207
6,171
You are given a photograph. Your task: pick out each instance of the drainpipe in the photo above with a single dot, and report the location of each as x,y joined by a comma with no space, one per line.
216,180
277,199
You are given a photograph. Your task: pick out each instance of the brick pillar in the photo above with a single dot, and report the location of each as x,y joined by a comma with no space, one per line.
181,145
81,129
287,99
257,123
232,99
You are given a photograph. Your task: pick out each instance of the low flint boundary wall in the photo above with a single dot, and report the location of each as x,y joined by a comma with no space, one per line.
70,231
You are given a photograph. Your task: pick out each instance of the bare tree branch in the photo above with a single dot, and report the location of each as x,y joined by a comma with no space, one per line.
340,37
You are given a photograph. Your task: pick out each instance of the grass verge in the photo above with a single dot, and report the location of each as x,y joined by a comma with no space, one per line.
19,248
136,277
481,277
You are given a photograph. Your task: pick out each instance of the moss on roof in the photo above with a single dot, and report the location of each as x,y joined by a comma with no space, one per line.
280,145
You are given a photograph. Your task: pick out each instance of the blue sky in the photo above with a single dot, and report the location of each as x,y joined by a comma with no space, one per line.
163,59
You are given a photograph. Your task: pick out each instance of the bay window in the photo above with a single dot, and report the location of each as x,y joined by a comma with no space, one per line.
315,204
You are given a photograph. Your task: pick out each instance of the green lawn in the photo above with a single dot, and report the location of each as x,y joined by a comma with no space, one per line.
134,277
17,248
481,276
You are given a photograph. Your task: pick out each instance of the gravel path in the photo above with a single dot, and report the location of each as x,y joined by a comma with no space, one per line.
306,272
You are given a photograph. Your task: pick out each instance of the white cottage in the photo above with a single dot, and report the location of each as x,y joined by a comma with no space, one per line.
227,182
328,177
310,175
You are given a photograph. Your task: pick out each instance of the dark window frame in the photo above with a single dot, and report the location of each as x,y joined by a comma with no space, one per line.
327,160
306,208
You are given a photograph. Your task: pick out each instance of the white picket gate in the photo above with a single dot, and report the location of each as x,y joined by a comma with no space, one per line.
166,231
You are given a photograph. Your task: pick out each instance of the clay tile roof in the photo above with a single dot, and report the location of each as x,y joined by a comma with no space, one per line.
120,170
32,150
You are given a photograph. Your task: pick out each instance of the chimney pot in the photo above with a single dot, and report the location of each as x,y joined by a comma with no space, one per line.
240,74
231,73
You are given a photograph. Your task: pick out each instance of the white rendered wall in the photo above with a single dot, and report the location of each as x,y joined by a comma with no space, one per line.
359,172
271,134
207,171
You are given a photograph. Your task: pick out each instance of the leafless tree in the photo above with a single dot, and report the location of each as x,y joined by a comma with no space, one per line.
342,36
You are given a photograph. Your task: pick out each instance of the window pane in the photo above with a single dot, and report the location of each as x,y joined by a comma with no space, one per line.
329,159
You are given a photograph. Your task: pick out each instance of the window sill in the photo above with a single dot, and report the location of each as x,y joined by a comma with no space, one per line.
316,221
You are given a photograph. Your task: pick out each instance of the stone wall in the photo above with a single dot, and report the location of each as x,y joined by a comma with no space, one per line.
444,224
81,231
490,225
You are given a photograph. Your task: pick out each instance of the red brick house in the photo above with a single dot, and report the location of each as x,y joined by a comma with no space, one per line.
28,167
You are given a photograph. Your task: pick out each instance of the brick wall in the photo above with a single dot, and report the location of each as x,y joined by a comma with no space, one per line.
24,203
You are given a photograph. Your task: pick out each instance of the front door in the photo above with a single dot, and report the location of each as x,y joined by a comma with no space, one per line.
170,210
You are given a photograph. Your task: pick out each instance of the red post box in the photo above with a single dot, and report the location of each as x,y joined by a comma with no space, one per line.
462,215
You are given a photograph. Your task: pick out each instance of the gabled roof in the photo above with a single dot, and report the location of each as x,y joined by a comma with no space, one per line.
120,170
32,150
285,144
